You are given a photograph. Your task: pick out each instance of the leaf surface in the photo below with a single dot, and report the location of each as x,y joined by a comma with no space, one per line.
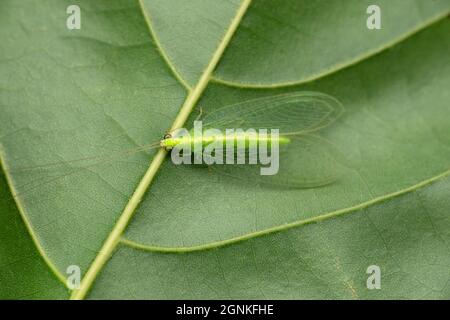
408,237
188,32
114,85
298,41
71,94
279,43
390,110
24,274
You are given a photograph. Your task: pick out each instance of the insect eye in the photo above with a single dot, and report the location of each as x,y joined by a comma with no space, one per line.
167,136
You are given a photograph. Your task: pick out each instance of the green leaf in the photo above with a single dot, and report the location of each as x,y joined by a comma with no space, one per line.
391,110
188,32
407,236
114,85
304,40
24,274
72,94
279,44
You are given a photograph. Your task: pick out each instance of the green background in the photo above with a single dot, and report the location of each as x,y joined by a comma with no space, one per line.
119,82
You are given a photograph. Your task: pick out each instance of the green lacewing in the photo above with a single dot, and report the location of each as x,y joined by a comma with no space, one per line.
306,160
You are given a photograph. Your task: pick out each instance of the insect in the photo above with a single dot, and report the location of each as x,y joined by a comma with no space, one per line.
304,160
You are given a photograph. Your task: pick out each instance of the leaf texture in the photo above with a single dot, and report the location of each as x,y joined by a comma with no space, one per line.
120,83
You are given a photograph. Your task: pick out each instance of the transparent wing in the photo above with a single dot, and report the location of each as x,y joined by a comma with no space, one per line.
307,162
291,113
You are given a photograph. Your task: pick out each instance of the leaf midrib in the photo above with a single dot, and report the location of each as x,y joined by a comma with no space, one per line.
193,96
